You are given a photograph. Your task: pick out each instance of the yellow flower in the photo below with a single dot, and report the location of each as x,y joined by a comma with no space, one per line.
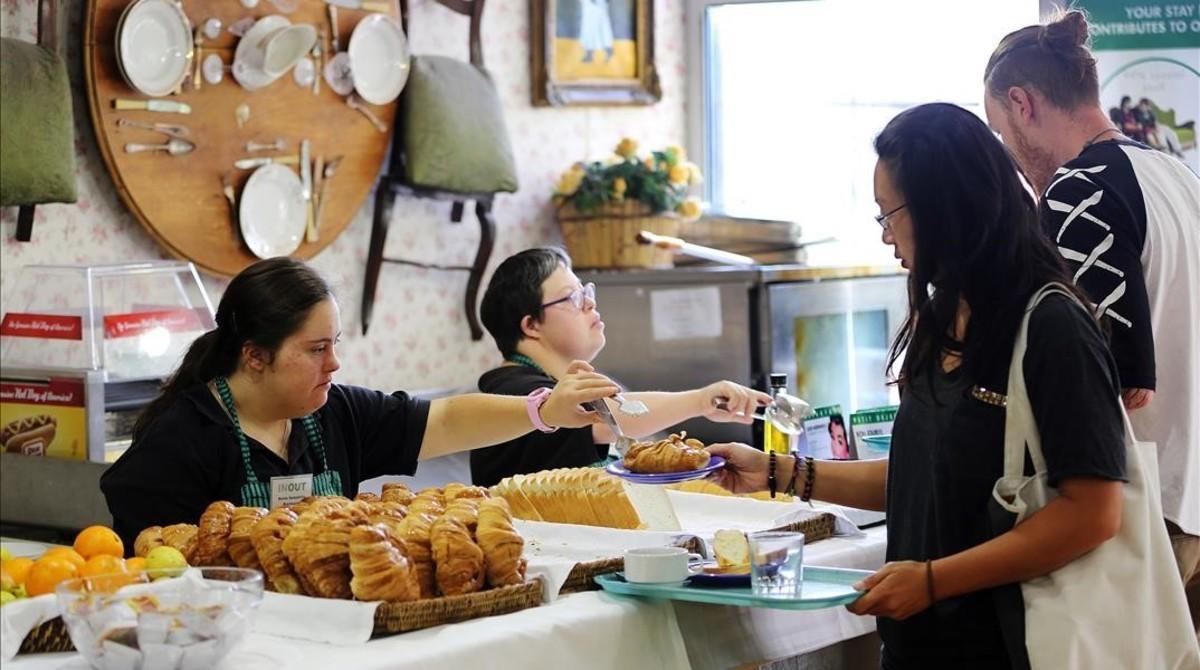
627,148
675,154
569,182
618,189
694,175
678,175
689,209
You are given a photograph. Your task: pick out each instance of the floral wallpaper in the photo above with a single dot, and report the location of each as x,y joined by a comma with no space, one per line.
419,337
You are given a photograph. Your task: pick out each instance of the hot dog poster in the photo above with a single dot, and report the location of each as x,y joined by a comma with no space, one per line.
43,418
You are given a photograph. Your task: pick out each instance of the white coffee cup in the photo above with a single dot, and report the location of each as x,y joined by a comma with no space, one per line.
286,47
657,565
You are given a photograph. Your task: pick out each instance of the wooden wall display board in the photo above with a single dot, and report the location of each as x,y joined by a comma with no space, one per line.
179,199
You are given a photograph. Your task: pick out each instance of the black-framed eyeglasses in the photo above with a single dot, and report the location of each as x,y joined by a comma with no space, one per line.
882,219
576,297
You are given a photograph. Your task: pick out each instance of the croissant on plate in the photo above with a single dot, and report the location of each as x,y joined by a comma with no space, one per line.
182,536
458,560
397,493
380,566
415,531
267,537
674,454
501,544
241,547
148,540
212,541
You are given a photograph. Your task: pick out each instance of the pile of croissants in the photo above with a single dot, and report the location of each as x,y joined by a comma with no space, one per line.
400,547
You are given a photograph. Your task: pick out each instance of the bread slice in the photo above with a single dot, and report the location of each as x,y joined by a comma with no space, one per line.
732,549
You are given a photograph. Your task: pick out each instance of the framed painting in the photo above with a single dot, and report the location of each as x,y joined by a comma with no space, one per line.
593,52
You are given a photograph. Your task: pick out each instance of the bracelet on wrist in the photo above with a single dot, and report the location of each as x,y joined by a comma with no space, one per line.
791,488
810,475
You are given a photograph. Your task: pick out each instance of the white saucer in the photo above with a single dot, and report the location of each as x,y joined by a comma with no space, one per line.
379,59
272,211
248,57
21,548
154,46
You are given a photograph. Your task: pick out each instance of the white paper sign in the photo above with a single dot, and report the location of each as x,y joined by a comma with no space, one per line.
678,314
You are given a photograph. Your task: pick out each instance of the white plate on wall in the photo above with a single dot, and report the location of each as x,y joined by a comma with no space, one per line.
251,49
272,211
379,59
154,46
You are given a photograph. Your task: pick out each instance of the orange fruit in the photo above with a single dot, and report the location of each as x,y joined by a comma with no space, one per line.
17,569
65,553
97,540
46,573
135,565
105,573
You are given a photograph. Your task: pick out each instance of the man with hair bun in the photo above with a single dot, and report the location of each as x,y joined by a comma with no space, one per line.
1127,220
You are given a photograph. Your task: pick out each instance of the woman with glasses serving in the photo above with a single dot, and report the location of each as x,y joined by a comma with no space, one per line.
542,318
252,415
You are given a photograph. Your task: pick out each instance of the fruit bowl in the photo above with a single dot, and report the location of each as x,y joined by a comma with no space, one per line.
155,620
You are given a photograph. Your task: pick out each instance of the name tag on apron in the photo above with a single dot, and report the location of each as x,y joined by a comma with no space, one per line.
291,489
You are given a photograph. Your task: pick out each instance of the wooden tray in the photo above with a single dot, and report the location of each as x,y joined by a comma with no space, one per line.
390,618
178,199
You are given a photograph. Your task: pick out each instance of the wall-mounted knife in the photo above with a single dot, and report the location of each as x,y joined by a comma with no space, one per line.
306,185
251,163
365,5
153,105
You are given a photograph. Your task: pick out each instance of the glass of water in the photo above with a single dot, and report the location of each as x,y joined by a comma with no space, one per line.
776,563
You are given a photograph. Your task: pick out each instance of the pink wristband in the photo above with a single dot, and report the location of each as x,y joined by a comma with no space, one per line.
533,406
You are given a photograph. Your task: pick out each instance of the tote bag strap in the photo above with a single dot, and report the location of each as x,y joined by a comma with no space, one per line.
1020,428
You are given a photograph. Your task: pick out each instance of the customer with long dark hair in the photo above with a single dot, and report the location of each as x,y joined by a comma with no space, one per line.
959,218
252,413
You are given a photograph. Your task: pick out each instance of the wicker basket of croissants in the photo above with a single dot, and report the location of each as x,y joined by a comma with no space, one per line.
436,556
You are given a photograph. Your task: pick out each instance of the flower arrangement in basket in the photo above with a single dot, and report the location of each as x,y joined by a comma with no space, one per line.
603,205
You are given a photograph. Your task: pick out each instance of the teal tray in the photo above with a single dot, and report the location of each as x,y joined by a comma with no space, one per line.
823,587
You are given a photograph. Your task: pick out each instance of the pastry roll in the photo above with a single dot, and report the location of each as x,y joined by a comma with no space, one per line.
268,536
415,531
456,490
366,496
182,536
147,540
398,493
241,547
466,511
674,454
322,559
212,541
457,559
501,544
380,566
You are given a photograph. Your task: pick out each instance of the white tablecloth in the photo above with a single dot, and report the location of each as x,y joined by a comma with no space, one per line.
584,630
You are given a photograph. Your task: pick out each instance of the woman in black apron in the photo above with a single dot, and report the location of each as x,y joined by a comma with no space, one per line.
252,414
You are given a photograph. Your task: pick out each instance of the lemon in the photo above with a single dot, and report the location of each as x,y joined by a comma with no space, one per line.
167,559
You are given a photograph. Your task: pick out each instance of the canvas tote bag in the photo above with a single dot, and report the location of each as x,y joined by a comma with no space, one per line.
1121,605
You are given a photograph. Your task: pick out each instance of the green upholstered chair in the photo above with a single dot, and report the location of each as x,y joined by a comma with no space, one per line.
451,144
37,129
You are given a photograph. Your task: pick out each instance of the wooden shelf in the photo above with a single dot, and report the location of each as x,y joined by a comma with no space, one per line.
178,199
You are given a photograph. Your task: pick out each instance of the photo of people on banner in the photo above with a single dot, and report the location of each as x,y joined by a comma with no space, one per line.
1145,122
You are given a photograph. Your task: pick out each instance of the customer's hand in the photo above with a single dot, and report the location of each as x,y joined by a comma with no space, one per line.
897,591
1136,398
745,468
739,402
581,384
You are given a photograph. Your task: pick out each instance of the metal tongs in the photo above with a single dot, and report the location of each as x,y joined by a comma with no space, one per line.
600,407
786,412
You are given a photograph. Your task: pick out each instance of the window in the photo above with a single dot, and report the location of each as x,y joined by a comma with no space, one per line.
792,93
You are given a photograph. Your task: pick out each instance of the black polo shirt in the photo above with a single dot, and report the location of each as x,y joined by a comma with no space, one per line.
189,457
535,451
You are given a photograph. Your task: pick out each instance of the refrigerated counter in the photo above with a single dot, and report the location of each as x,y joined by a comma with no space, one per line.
827,329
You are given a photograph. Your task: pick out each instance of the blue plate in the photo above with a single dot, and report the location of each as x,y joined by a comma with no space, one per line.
618,468
823,587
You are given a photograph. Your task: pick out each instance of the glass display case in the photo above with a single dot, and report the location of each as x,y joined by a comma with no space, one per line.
84,347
